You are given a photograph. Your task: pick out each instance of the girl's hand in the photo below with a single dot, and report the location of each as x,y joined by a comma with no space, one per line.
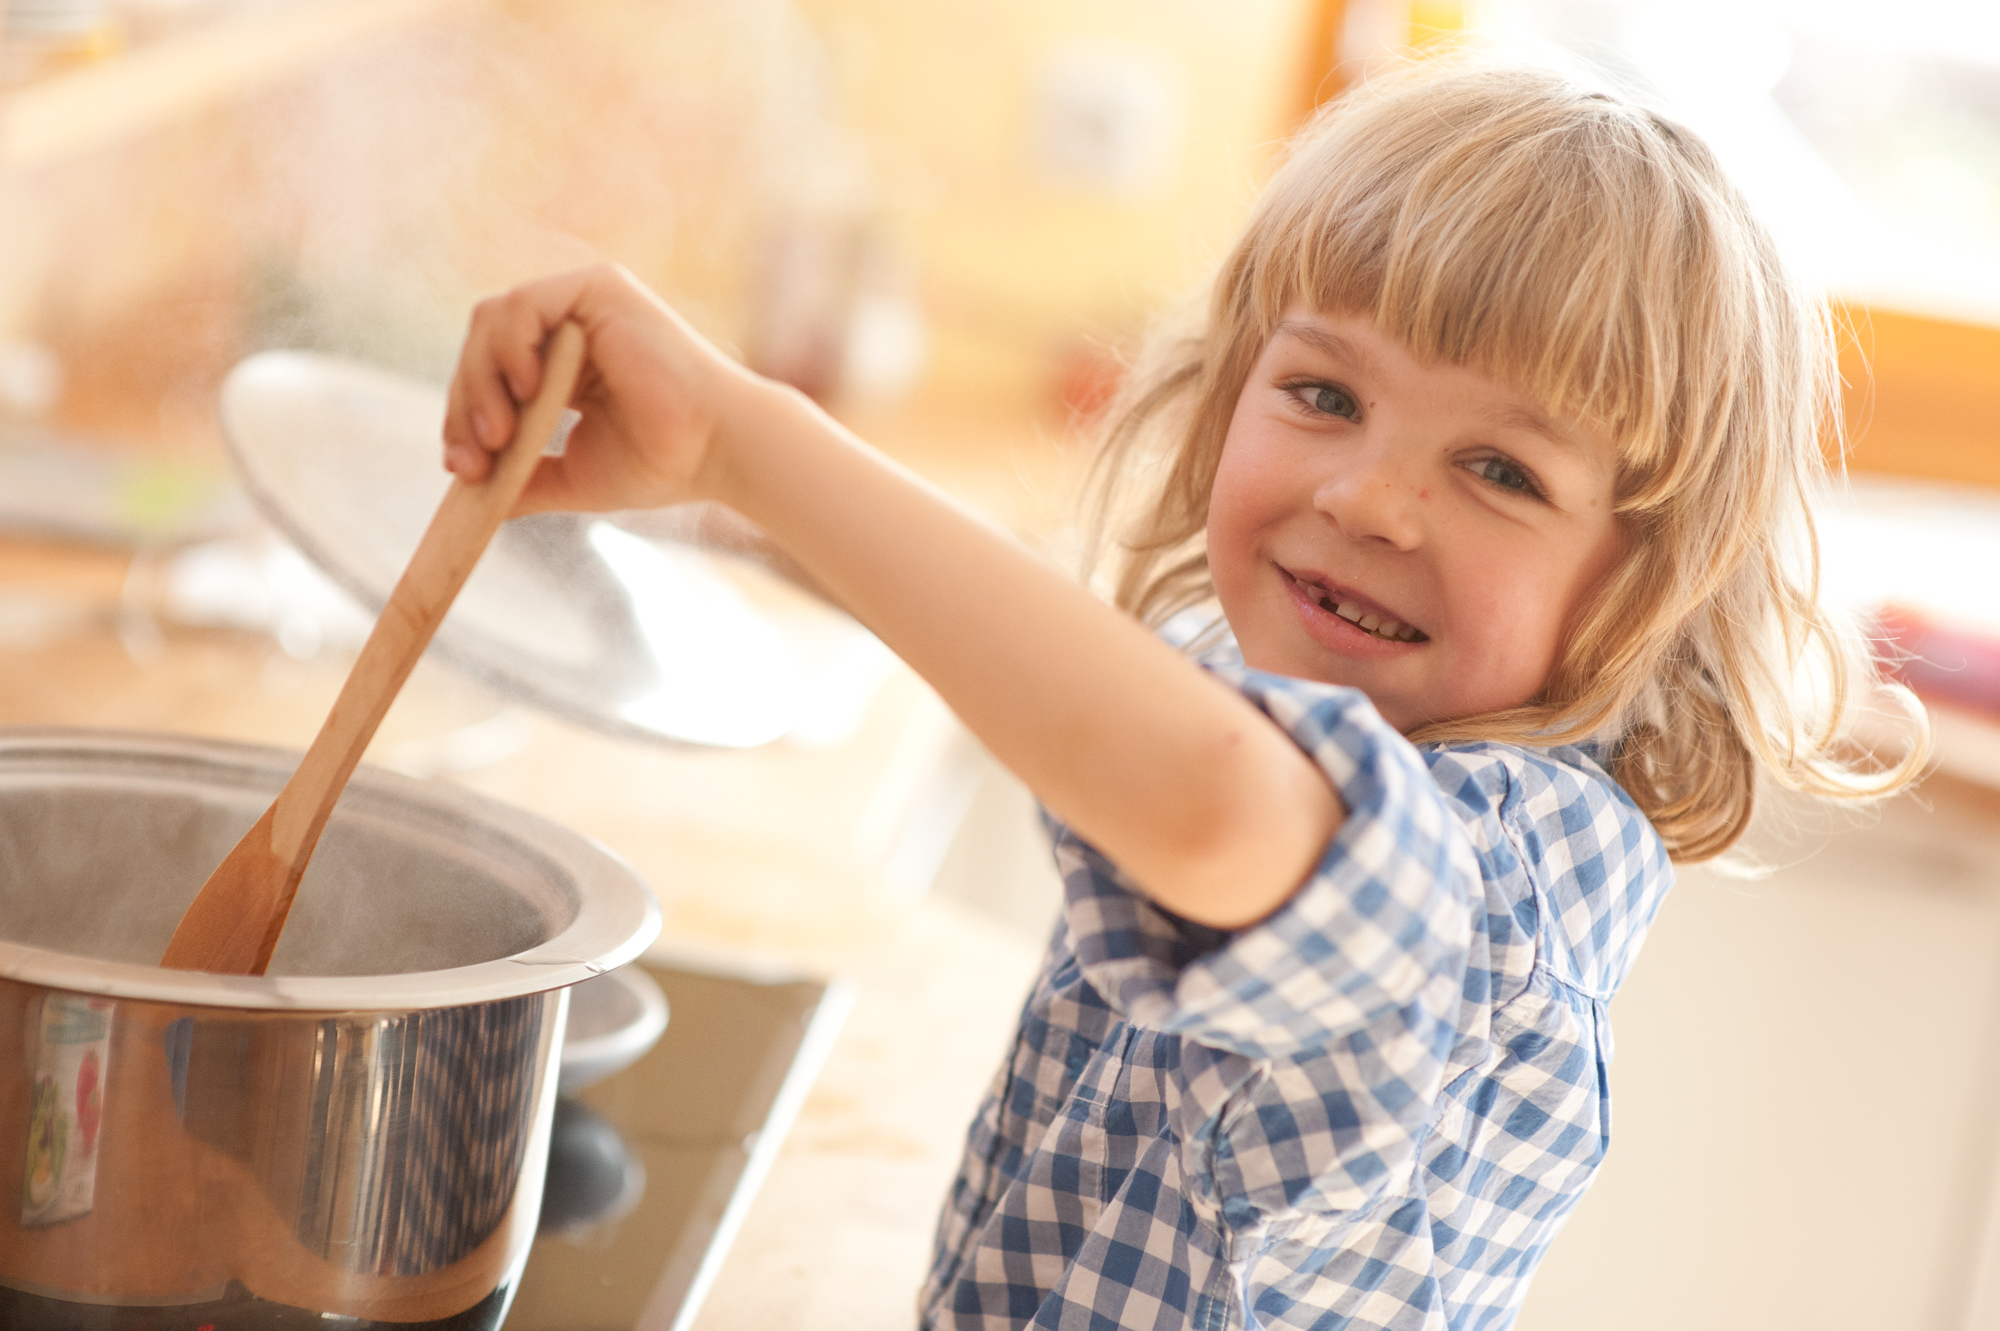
657,399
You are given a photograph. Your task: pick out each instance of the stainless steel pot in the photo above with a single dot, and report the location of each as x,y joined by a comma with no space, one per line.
362,1132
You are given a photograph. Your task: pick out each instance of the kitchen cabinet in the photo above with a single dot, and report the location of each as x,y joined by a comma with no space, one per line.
1803,1125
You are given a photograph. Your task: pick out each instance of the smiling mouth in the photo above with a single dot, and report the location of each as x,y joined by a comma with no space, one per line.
1389,630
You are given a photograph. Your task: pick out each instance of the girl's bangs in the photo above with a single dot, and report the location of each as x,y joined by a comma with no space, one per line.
1526,247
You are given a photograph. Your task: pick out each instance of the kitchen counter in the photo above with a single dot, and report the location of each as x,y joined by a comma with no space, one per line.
771,861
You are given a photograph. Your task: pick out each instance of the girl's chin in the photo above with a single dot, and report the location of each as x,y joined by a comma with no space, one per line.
1393,707
1393,697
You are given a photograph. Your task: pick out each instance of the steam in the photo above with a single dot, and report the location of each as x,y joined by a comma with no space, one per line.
399,185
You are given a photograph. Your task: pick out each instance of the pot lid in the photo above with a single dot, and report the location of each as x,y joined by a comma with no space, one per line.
570,613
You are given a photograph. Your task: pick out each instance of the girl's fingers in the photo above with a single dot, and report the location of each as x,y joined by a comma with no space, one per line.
480,408
499,367
464,457
648,354
516,331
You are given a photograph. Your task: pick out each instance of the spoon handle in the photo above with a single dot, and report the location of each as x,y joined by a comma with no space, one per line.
233,925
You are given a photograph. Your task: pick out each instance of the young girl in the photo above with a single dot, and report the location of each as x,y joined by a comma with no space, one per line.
1493,454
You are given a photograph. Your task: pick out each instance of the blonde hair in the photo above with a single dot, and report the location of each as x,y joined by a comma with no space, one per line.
1591,253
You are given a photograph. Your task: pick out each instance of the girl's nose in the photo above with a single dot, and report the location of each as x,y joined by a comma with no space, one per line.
1372,497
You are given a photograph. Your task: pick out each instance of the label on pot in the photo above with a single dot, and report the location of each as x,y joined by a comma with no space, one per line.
66,1108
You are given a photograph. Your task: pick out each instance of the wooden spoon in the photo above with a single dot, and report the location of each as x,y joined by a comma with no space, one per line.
233,925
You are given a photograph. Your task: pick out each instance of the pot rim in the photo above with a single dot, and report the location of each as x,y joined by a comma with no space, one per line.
616,919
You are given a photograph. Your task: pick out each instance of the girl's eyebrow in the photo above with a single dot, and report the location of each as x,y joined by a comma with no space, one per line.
1534,422
1323,340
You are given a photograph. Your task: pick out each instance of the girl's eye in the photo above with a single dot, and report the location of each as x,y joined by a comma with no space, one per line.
1328,400
1507,475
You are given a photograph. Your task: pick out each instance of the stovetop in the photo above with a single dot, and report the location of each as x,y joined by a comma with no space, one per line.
670,1151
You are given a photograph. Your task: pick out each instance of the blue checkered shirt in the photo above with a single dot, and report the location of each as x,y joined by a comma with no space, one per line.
1373,1109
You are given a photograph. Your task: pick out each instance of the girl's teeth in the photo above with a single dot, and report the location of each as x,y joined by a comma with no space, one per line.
1393,629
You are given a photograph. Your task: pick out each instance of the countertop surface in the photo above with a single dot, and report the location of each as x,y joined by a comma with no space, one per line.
774,861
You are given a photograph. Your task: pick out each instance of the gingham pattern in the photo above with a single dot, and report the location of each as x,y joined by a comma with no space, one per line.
1373,1109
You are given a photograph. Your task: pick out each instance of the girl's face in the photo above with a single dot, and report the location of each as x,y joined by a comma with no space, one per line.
1419,531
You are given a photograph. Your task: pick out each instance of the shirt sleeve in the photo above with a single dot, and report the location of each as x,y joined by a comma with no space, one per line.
1378,934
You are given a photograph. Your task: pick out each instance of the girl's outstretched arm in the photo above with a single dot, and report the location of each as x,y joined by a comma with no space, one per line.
1211,809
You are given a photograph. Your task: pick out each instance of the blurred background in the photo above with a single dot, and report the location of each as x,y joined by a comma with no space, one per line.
950,221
